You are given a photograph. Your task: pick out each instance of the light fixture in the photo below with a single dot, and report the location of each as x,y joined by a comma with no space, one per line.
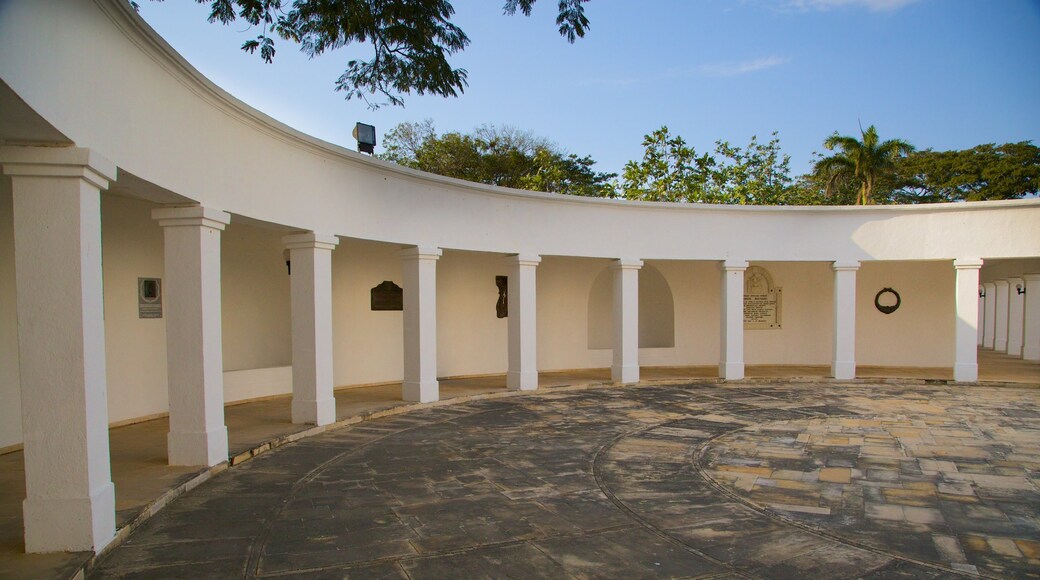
982,293
1020,288
366,138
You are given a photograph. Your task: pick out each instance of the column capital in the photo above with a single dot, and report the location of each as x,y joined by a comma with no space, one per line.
192,215
79,162
1000,282
1031,277
845,265
523,259
420,253
309,240
626,264
967,263
733,265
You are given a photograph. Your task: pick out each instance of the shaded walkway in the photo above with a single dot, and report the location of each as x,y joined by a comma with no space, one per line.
142,478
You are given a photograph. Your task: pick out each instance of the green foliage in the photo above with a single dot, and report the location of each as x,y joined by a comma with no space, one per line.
671,170
411,39
497,156
985,172
868,165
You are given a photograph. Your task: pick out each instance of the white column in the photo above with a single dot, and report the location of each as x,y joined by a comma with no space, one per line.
990,317
1031,326
310,258
70,500
523,345
1000,325
625,368
194,358
1016,310
420,324
982,314
965,364
731,363
843,365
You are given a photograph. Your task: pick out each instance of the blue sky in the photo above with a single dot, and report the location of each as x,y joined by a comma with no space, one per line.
945,74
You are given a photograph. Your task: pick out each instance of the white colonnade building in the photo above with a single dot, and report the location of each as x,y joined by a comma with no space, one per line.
147,218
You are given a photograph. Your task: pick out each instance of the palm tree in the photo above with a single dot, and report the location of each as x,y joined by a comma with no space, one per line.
865,162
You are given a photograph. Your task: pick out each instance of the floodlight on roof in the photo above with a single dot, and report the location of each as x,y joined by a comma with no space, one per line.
366,138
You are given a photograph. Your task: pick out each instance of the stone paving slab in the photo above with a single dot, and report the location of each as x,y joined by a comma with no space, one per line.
809,480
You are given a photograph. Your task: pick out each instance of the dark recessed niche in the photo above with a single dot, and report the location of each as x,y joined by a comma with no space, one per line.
387,296
502,306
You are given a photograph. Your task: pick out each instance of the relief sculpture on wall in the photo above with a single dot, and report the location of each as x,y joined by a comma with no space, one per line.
763,301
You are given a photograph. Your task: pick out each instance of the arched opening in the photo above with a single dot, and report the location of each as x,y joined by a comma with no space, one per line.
656,310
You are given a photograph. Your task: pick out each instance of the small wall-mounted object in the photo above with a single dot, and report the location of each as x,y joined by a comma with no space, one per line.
982,293
149,298
889,307
1020,288
502,306
387,296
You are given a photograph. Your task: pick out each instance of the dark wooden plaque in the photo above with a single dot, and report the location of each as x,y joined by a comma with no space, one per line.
387,296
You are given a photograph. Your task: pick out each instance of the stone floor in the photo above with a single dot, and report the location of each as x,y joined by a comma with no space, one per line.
816,480
141,476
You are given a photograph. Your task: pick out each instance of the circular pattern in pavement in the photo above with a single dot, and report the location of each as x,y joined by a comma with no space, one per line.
657,481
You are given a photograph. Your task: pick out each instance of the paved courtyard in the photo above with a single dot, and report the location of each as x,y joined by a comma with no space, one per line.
809,480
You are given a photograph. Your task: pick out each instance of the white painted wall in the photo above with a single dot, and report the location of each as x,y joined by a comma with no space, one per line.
921,332
368,347
255,304
563,291
104,79
99,75
471,339
807,319
135,348
10,389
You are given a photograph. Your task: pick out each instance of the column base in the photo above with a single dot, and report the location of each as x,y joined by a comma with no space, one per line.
424,392
522,381
1014,350
843,370
966,373
198,448
321,412
731,371
1000,346
1031,353
70,524
624,374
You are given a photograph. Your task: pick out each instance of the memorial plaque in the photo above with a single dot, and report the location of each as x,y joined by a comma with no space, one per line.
763,301
387,296
502,306
149,298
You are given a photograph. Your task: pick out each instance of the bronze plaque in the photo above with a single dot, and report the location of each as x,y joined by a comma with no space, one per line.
387,296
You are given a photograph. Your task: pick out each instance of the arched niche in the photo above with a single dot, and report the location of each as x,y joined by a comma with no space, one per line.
656,310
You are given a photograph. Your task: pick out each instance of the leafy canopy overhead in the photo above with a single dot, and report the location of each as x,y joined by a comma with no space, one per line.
411,39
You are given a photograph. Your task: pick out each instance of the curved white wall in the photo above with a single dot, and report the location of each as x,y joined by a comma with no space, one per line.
114,86
100,76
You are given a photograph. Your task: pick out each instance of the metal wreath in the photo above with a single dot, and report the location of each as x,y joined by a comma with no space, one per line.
887,309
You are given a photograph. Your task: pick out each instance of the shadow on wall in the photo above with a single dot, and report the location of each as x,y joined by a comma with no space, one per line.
656,310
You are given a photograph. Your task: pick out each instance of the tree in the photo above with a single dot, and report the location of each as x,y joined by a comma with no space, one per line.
411,39
984,172
671,170
502,156
868,164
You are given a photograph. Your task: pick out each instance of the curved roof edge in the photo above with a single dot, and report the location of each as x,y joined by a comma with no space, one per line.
138,31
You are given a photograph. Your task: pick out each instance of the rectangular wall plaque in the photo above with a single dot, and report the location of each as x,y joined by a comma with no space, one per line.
763,301
149,298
